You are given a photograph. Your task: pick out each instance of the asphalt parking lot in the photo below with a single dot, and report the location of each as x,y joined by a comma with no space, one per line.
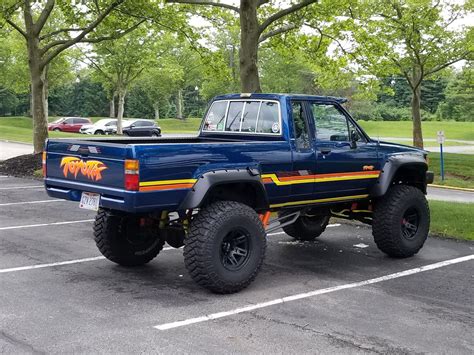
336,295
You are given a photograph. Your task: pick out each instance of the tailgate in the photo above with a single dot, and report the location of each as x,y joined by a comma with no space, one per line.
98,164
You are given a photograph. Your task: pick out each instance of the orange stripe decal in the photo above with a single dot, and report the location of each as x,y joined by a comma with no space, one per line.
166,187
298,179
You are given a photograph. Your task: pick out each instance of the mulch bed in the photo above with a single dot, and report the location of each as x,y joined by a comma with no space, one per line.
21,166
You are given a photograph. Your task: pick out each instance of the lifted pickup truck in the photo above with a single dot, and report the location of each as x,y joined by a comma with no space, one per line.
302,157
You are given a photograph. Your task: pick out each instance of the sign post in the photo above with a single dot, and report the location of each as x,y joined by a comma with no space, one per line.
441,140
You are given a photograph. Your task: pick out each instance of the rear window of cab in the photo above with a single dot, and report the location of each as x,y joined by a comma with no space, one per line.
243,116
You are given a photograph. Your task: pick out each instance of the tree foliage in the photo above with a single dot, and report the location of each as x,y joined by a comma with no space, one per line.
411,38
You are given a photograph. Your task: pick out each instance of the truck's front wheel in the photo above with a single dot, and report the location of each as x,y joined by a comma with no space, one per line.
126,239
401,221
225,247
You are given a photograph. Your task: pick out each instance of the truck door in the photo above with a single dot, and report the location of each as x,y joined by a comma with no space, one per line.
347,163
304,156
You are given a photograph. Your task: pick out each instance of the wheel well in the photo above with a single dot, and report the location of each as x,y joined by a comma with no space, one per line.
244,192
412,175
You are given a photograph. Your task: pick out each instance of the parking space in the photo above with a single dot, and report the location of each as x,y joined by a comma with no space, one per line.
336,295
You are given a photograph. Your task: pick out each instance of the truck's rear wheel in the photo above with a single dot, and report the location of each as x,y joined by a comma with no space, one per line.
225,247
309,226
401,221
126,239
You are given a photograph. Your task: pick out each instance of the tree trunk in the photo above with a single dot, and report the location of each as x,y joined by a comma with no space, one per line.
112,107
44,77
249,35
416,116
121,105
30,113
37,75
179,105
156,107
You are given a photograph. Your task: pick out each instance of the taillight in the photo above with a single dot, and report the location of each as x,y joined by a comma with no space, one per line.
132,177
43,164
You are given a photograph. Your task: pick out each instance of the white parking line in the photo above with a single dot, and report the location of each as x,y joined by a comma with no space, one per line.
45,224
21,187
30,202
61,263
300,296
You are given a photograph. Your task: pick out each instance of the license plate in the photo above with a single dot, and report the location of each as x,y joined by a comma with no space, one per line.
89,201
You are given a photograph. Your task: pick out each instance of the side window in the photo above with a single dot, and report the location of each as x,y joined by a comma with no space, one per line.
331,124
268,120
300,126
69,121
215,117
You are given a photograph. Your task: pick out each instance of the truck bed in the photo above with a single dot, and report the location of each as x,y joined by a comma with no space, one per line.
167,166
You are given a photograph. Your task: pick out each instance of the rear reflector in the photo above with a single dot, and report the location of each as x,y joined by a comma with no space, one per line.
43,164
132,177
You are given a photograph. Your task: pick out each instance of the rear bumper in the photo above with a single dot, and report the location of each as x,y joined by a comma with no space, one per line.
429,177
113,198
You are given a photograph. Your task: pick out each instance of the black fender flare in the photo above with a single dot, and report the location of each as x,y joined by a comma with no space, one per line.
392,165
213,178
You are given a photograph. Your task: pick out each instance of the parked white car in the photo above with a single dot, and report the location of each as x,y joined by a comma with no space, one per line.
100,127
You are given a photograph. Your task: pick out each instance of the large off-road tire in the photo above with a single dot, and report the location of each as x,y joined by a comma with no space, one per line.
225,247
401,221
127,240
307,227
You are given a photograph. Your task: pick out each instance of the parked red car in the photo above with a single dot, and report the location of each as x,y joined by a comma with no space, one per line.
68,124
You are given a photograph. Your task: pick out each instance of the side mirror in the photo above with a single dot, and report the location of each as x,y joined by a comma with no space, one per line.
354,138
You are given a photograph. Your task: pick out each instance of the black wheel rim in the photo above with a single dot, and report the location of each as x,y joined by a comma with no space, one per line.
235,249
409,223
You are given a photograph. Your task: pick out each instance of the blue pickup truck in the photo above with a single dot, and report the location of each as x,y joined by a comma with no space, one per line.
260,162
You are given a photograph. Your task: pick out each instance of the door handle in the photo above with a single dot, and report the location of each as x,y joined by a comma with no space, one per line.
325,150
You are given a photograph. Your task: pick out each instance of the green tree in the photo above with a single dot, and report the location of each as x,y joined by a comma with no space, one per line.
411,38
49,29
259,20
119,63
459,101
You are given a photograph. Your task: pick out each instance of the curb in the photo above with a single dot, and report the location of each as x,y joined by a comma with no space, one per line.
451,187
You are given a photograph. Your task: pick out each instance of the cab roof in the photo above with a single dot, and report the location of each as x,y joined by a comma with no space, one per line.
271,96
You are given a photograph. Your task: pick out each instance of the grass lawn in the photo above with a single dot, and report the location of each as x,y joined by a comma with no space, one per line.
453,220
171,125
429,144
20,128
458,169
452,130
